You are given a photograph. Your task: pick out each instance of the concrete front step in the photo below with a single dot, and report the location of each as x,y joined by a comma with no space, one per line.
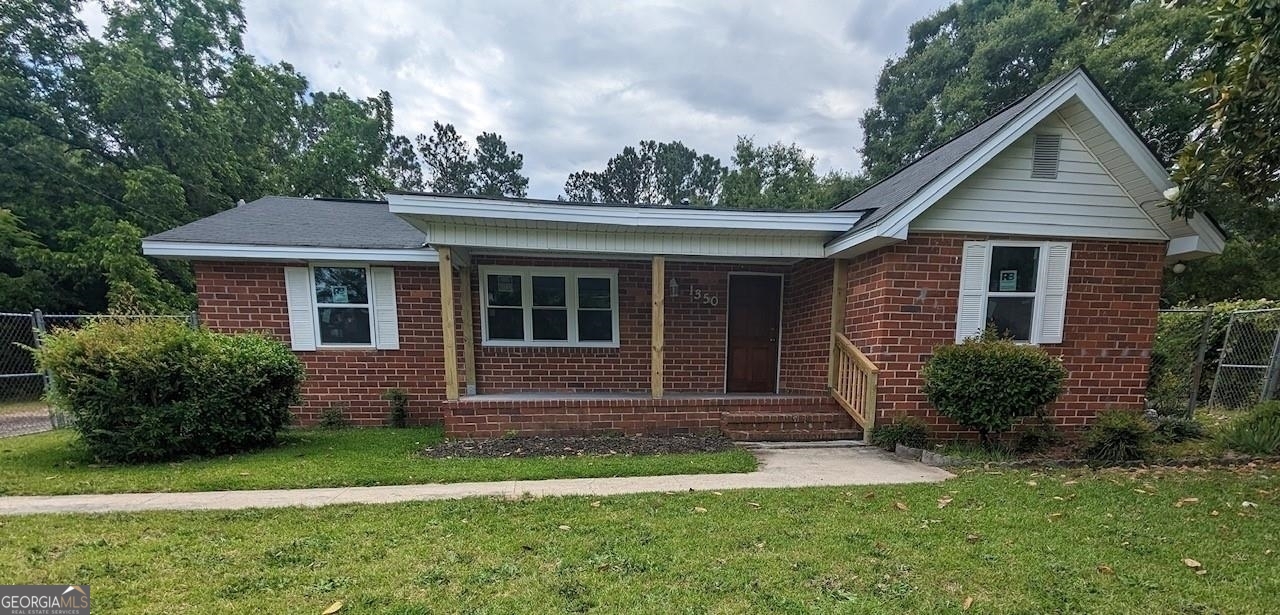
803,425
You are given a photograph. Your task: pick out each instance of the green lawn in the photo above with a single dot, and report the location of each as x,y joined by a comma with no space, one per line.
51,464
1014,542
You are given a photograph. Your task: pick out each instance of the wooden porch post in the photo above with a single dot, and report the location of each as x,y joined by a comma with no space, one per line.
468,333
448,324
839,293
658,325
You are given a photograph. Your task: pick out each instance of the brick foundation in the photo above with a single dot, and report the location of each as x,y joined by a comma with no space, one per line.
479,418
902,303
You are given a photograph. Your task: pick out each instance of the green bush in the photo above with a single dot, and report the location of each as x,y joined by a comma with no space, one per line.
153,390
1118,435
1257,433
908,431
1177,344
1038,435
988,383
399,407
334,416
1175,429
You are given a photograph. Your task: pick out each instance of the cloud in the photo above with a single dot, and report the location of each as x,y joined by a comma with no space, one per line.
569,84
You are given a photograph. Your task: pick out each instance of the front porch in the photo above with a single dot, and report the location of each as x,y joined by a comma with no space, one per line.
742,416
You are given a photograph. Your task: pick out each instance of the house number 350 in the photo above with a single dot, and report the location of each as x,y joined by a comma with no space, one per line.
704,297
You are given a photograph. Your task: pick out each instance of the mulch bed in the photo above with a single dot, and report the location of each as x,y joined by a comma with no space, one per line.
576,446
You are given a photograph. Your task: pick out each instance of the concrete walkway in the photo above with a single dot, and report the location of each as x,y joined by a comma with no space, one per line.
810,466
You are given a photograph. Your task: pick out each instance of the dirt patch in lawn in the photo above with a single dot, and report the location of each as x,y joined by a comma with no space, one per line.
576,446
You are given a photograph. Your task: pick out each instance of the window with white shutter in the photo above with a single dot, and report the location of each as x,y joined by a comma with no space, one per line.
343,306
302,327
1017,288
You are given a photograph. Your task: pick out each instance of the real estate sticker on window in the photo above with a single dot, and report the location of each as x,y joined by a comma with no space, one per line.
340,293
1008,280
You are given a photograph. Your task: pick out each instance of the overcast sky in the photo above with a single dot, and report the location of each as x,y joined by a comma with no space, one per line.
568,84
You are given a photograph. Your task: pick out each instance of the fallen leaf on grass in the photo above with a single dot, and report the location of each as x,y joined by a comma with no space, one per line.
1071,482
753,504
943,501
1104,569
1184,501
565,528
901,506
1213,513
333,608
1032,483
1248,504
716,493
869,495
1054,517
1190,563
968,602
699,509
244,474
595,504
973,538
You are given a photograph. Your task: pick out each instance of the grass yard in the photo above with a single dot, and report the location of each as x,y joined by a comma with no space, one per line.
1013,542
52,464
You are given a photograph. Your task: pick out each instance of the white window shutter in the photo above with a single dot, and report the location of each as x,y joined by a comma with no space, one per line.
1054,313
971,314
302,330
385,324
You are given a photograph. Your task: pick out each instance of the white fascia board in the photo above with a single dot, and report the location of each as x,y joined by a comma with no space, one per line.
865,240
225,251
437,206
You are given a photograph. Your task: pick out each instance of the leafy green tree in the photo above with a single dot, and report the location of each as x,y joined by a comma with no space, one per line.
492,169
782,176
497,168
652,172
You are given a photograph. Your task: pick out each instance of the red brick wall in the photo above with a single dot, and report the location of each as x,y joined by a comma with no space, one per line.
806,327
694,336
490,419
902,303
239,296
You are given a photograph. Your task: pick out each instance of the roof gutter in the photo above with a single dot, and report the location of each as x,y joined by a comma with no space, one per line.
224,251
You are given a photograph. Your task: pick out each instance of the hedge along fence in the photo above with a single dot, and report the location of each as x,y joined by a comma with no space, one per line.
1176,348
153,390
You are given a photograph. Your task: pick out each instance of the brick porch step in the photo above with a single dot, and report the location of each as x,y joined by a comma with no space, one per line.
798,425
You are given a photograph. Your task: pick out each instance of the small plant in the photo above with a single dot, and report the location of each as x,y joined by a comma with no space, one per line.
1257,433
399,407
1175,429
987,383
1039,434
1118,435
907,431
334,417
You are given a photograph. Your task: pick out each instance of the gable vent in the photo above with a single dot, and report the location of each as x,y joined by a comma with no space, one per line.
1044,157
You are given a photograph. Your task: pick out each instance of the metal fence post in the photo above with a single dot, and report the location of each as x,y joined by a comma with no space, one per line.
1273,372
38,331
1197,370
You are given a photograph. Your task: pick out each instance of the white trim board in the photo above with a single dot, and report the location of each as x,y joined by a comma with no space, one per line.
225,251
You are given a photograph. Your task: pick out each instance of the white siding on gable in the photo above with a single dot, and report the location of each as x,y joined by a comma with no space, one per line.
1002,197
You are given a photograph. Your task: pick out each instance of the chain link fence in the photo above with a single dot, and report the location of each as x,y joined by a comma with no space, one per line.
1178,381
1249,366
22,385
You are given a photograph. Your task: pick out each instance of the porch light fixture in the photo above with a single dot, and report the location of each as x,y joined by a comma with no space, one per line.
1179,267
673,288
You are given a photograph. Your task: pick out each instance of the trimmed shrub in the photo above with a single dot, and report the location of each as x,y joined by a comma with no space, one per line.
1175,429
1257,433
987,383
334,416
1118,435
399,407
154,390
907,431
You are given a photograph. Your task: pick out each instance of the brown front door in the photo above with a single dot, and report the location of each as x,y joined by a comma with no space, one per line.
754,302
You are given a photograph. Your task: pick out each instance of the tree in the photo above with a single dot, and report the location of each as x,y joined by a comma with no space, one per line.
1236,144
783,177
491,170
651,172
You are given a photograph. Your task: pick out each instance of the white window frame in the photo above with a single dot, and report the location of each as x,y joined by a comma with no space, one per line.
571,275
1042,262
316,305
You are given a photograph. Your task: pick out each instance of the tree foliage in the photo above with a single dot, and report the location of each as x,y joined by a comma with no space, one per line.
492,169
161,120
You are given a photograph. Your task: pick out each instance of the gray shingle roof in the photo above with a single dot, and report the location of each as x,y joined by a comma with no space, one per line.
289,221
892,192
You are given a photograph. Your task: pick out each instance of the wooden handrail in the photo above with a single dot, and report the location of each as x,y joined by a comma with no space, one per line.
853,379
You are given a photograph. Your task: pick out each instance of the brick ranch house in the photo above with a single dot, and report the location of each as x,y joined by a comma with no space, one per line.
516,315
